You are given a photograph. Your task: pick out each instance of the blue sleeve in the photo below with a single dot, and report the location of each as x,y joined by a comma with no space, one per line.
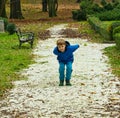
74,47
55,51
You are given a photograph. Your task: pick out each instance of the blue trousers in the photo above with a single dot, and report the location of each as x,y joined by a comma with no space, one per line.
62,68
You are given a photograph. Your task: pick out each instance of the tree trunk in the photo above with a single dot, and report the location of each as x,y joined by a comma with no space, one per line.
15,9
44,5
52,7
2,9
78,1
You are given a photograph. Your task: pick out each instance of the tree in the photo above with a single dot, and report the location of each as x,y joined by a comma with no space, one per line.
2,9
15,9
52,7
44,5
78,1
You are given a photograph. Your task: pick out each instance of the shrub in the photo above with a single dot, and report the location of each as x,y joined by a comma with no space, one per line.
11,28
96,8
113,26
109,15
75,14
116,30
79,15
117,40
99,27
5,22
108,6
103,2
86,6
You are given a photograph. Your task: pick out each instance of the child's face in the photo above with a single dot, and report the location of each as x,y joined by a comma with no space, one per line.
61,48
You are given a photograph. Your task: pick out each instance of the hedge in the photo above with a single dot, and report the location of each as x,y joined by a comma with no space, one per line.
98,26
117,40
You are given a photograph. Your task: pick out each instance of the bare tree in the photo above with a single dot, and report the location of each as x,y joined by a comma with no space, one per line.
15,9
44,5
52,7
2,9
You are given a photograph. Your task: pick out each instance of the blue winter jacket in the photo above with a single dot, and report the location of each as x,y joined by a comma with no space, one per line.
66,56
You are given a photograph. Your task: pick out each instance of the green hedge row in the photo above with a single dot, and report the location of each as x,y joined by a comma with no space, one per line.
109,32
99,27
116,36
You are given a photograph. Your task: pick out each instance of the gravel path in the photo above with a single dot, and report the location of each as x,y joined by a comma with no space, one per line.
93,92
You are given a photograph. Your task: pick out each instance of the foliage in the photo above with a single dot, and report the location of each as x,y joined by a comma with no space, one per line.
103,2
117,40
11,60
11,28
105,11
109,15
113,26
5,22
108,6
78,15
116,30
99,27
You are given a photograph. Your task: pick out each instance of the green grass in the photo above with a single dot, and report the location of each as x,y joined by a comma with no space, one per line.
12,60
114,59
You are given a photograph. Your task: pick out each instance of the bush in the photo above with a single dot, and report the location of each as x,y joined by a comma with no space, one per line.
75,14
103,2
108,6
11,28
96,8
116,30
5,22
98,26
117,40
86,6
78,15
113,26
109,15
94,22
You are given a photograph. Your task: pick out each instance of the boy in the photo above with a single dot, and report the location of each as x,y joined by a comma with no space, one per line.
64,52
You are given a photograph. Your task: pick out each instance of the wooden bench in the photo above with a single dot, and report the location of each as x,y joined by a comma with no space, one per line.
25,37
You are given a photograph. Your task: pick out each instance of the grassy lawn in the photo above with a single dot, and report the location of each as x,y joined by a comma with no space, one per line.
12,60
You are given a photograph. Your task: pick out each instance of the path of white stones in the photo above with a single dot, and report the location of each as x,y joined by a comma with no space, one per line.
94,93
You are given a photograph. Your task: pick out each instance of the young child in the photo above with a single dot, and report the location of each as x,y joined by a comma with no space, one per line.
64,52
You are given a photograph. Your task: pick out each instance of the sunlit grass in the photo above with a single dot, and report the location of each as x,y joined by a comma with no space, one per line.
114,59
12,60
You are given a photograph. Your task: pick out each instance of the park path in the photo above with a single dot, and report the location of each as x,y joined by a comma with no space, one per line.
94,90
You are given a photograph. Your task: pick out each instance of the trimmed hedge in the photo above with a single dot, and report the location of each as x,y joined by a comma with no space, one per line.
117,40
98,26
11,28
114,25
116,30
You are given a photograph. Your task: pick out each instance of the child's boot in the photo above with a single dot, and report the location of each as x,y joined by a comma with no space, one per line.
61,83
68,83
